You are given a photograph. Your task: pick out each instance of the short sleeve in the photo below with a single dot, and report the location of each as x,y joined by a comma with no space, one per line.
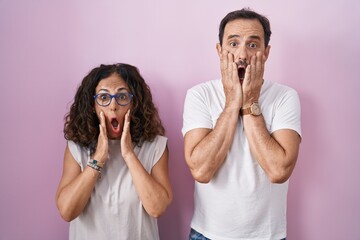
196,111
160,145
78,153
288,113
149,153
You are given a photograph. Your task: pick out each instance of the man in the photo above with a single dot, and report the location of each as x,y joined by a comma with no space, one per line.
241,137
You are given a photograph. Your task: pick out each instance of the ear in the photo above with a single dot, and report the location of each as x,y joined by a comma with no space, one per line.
218,48
267,52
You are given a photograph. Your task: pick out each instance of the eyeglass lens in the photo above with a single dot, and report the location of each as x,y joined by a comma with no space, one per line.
122,99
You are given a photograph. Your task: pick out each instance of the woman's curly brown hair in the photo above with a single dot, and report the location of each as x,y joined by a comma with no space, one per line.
82,124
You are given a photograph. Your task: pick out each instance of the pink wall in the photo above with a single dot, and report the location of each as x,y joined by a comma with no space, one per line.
46,48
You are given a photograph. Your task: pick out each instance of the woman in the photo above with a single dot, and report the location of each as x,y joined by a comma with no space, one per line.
115,180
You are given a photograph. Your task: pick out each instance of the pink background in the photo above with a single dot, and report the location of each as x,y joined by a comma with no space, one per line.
46,48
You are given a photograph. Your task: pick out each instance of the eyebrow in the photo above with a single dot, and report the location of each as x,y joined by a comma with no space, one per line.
238,36
118,90
233,36
255,37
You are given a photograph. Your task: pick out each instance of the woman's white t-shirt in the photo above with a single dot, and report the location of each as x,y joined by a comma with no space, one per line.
114,210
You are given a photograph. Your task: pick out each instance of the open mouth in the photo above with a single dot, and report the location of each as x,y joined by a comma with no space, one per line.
241,69
241,73
114,123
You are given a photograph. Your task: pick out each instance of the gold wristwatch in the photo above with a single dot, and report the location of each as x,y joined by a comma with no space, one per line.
254,109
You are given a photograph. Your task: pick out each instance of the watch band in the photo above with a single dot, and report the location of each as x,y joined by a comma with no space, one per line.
246,111
254,110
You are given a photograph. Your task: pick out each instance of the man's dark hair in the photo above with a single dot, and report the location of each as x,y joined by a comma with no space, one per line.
245,13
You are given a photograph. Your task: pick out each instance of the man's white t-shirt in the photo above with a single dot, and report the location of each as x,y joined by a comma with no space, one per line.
240,202
114,210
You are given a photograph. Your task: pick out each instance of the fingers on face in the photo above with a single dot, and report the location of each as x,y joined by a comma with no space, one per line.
102,119
252,67
127,116
232,67
228,65
257,63
260,62
224,59
127,121
102,123
247,75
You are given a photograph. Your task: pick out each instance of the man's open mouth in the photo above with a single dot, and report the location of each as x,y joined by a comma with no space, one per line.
241,69
241,73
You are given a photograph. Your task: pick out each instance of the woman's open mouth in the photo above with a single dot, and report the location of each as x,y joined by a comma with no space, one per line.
114,123
114,127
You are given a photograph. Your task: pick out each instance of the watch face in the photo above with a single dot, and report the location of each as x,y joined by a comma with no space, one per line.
255,109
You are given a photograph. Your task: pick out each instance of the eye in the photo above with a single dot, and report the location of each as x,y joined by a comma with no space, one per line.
233,44
104,97
122,96
253,45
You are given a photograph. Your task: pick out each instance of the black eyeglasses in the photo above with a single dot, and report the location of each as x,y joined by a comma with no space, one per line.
104,99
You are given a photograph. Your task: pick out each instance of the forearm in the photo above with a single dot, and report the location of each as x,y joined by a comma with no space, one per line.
72,198
209,154
271,156
152,194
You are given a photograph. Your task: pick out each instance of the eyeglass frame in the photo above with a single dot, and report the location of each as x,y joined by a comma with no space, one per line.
113,96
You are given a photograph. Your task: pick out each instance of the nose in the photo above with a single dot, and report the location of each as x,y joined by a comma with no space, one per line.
113,105
241,53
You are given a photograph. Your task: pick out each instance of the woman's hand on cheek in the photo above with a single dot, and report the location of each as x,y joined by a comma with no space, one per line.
101,153
126,142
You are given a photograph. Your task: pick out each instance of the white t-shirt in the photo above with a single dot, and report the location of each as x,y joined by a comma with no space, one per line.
114,210
240,202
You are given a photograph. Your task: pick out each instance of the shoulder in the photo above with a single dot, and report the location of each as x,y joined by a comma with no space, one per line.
79,153
276,92
74,147
158,141
278,88
206,90
150,152
213,85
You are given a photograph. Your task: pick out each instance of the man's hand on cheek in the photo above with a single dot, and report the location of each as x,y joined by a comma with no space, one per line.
230,79
253,79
